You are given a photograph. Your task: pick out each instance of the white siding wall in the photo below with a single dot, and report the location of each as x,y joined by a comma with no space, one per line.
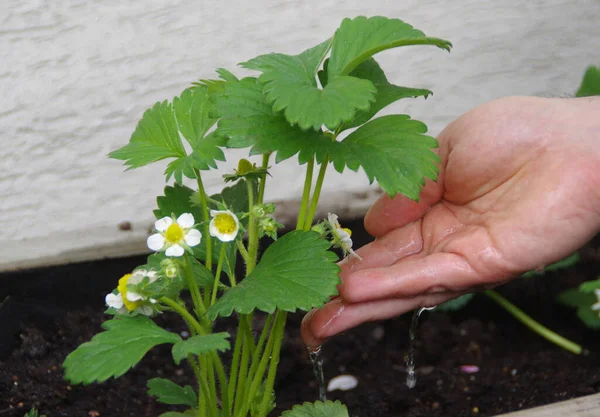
75,76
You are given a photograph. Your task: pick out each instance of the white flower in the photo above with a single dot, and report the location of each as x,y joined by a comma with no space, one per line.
341,236
224,225
126,300
174,237
596,306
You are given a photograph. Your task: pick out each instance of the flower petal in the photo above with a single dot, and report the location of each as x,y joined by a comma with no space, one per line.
133,296
332,218
114,300
186,220
163,224
145,310
192,238
155,242
174,250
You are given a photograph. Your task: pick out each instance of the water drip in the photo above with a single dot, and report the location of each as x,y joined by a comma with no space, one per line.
411,376
317,363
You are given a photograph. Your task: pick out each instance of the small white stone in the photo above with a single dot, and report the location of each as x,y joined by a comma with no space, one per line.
342,383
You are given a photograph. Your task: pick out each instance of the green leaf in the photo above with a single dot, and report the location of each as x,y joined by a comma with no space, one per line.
575,298
203,157
176,414
200,344
360,38
590,85
192,110
248,121
318,409
33,413
395,151
455,304
155,138
290,86
176,201
386,93
589,317
295,272
168,392
113,352
590,286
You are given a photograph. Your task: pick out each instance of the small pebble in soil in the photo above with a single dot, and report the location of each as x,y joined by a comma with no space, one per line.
342,383
513,372
378,333
469,369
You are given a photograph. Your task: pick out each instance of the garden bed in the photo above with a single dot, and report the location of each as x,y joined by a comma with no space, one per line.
47,313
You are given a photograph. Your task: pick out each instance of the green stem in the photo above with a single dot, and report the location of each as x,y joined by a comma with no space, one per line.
222,382
235,361
256,358
252,232
179,309
204,203
203,391
212,386
277,336
218,274
310,167
243,251
243,372
534,325
263,179
316,194
188,271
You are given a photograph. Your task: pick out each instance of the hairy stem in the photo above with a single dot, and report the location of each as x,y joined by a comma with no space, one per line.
263,179
310,167
204,204
277,336
316,194
252,232
534,325
218,274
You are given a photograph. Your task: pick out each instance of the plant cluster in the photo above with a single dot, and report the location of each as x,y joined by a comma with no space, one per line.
319,105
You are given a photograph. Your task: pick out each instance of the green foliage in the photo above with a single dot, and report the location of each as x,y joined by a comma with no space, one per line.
455,304
175,202
589,287
188,413
200,344
168,392
387,93
157,136
394,150
33,413
563,263
113,352
247,120
358,39
290,86
295,272
582,299
590,85
318,409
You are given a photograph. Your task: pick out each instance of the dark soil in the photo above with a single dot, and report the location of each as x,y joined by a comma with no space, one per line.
47,313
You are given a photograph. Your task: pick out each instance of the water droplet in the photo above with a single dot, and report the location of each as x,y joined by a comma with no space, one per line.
342,383
317,363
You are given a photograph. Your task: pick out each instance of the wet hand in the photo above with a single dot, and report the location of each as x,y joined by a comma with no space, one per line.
519,188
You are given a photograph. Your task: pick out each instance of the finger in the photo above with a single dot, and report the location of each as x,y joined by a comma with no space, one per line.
385,250
438,272
338,316
390,213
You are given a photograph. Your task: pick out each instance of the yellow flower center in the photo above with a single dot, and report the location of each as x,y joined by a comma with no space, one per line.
122,288
174,234
225,223
345,229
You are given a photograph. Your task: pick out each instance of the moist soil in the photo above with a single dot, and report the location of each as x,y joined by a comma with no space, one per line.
47,313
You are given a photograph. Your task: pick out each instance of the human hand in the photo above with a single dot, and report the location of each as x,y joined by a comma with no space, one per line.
519,188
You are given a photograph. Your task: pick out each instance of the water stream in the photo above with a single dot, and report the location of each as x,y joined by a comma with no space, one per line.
411,376
317,364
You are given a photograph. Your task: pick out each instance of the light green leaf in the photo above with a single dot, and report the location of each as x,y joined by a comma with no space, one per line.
386,93
155,138
575,298
295,272
395,151
318,409
168,392
589,317
455,304
200,344
176,201
248,121
176,414
204,156
590,286
290,86
360,38
192,110
115,351
590,85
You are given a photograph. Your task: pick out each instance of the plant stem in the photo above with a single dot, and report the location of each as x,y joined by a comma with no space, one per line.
233,372
204,391
218,274
263,179
182,311
252,232
203,201
534,325
242,249
256,358
199,307
243,372
212,386
222,382
310,167
277,336
316,194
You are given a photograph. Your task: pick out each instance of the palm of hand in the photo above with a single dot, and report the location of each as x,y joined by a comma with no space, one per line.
516,192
